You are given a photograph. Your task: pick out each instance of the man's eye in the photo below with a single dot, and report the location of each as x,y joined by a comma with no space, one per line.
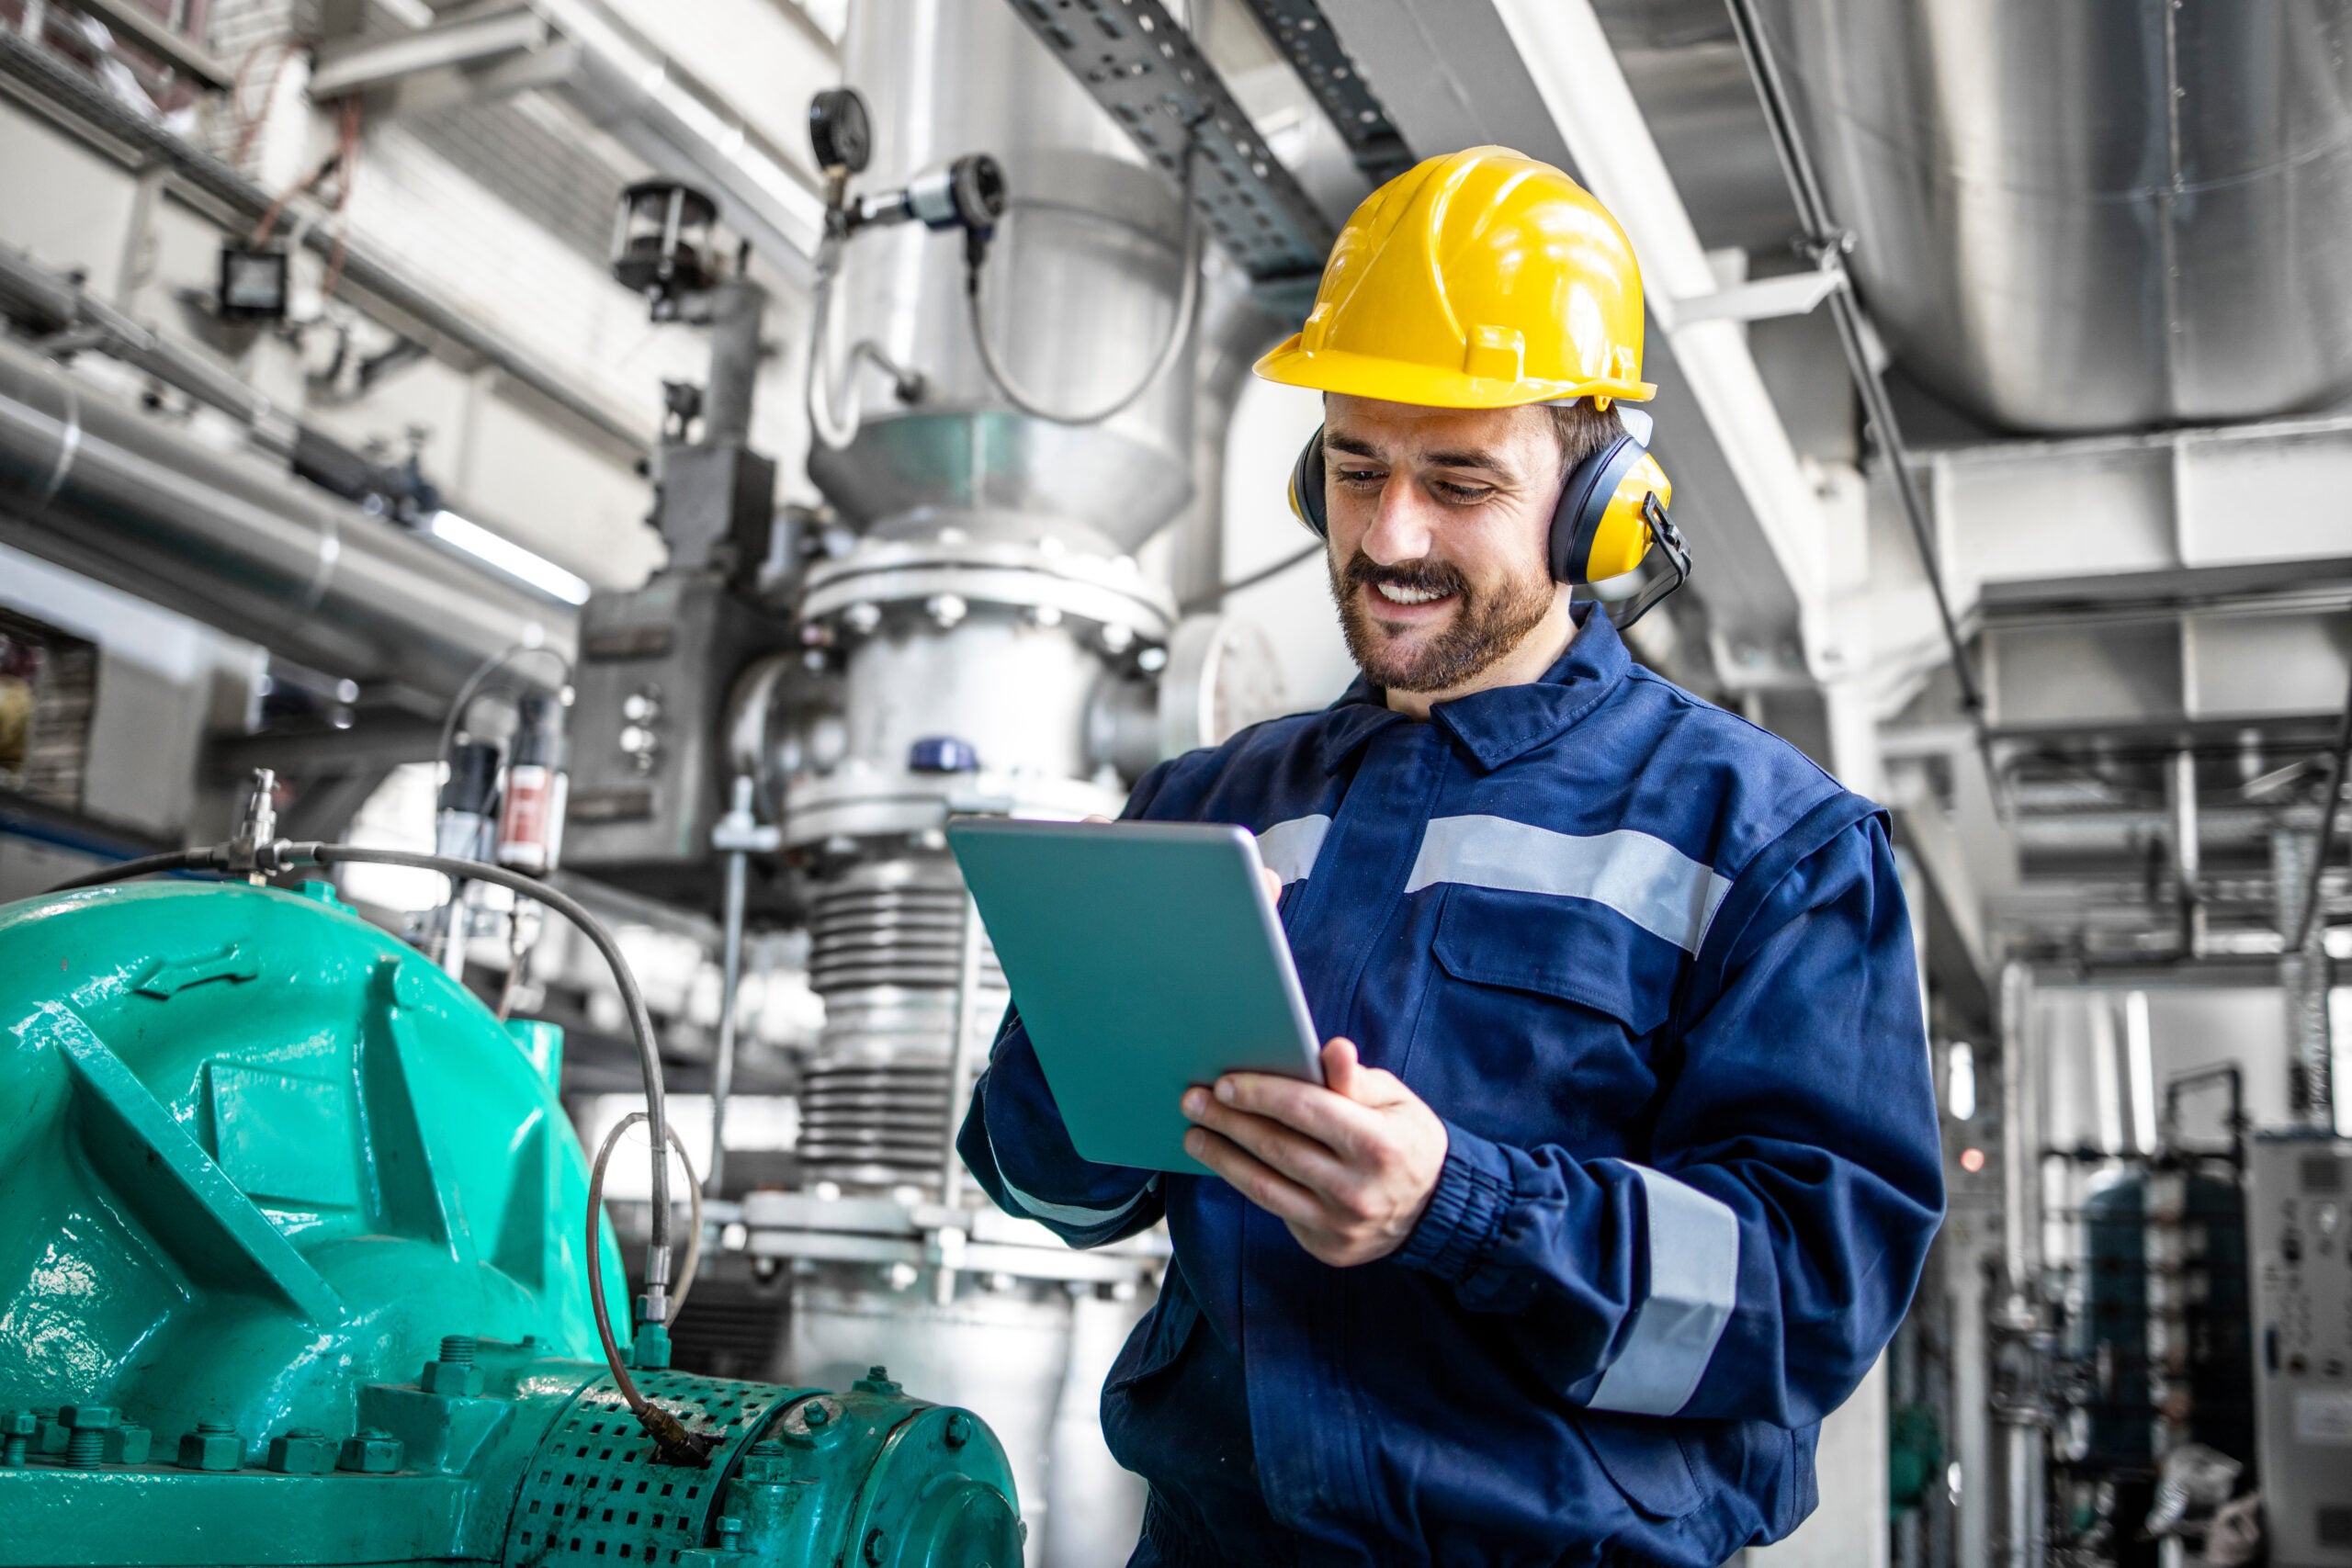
1464,493
1359,476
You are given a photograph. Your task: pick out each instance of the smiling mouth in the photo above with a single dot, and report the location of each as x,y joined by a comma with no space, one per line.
1397,594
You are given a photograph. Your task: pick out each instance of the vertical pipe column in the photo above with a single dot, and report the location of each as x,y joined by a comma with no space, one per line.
2016,1390
737,309
2180,791
2304,977
2021,1136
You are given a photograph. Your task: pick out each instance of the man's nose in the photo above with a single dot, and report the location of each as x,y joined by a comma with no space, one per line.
1401,524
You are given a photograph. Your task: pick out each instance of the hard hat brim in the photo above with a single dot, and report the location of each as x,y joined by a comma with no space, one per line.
1398,381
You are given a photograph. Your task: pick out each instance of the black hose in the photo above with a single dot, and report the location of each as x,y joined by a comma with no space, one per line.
672,1435
146,866
633,999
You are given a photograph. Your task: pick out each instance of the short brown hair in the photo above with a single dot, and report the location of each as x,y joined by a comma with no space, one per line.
1582,430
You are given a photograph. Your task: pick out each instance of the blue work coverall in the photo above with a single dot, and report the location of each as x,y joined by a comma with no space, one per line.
1653,969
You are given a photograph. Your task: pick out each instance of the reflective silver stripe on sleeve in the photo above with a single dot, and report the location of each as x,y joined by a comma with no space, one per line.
1073,1214
1037,1208
1289,848
1645,879
1694,1284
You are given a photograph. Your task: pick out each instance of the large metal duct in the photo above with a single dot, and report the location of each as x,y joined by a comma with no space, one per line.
2092,217
120,497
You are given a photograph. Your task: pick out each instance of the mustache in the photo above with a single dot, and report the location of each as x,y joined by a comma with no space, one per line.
1424,575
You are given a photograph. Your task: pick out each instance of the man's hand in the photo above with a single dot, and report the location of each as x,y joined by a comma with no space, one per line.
1349,1168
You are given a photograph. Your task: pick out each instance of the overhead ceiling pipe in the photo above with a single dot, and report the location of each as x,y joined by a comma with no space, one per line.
2091,217
116,494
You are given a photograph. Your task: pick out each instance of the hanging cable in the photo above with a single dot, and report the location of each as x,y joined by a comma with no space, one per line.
613,1359
1304,553
1826,243
1180,331
471,688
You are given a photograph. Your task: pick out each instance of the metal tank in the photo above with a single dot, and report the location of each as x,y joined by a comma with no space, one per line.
292,1271
978,636
2092,217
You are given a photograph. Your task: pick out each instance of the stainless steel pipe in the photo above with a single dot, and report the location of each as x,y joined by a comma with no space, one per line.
2092,217
118,496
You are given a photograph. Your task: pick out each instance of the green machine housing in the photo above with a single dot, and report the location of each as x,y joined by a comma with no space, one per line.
293,1271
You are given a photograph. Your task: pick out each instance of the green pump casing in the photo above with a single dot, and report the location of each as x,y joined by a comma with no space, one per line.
293,1271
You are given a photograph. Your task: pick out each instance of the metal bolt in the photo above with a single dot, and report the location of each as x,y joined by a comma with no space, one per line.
18,1427
214,1445
877,1544
371,1450
817,1413
458,1350
89,1424
959,1429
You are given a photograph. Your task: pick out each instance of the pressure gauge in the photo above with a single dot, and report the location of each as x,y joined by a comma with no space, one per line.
841,130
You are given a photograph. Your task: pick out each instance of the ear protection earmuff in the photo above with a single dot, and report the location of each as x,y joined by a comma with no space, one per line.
1610,513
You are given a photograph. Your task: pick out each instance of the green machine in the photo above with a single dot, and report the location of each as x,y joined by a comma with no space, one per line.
294,1270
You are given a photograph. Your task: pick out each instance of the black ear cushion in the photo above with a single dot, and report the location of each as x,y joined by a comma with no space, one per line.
1306,486
1584,501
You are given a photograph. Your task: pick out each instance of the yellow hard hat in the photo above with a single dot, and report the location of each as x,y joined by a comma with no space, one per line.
1482,279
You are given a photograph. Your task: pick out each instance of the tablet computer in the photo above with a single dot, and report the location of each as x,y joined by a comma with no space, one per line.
1145,957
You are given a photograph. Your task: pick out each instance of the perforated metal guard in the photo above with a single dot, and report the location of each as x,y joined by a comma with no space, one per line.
595,1490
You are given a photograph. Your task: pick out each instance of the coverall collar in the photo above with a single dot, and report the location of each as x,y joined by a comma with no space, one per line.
1502,722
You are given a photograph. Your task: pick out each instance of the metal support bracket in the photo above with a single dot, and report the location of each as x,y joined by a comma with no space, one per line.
1767,299
465,44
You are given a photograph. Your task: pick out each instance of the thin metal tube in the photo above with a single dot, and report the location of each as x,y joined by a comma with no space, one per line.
730,976
649,1414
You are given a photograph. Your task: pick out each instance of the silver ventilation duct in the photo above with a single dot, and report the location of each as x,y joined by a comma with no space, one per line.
117,496
2092,217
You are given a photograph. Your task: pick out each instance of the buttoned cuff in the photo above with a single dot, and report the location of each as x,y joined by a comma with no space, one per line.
1465,1218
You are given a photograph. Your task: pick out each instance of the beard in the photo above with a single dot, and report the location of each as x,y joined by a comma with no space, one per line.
1485,628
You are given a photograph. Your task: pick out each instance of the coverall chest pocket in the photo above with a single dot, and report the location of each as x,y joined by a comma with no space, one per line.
1541,1016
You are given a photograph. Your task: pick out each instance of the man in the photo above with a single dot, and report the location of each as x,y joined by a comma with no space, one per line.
1627,1160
